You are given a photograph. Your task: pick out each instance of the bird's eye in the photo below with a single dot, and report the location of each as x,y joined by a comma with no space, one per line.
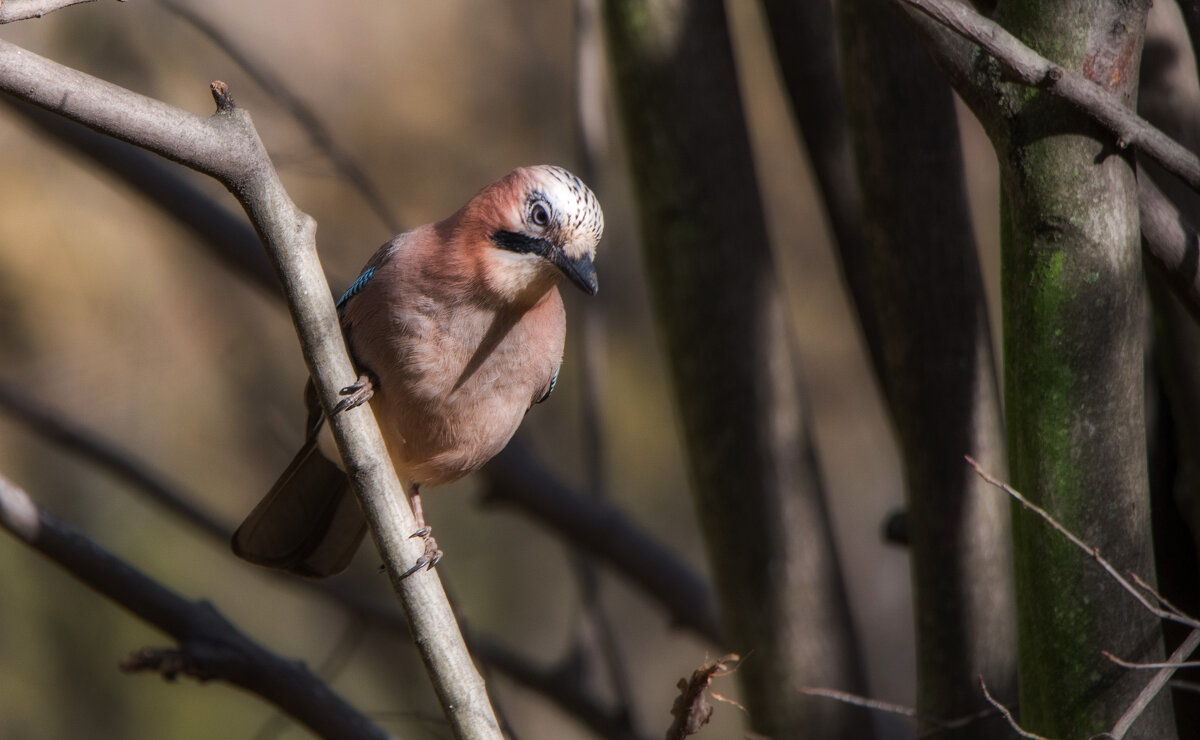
539,214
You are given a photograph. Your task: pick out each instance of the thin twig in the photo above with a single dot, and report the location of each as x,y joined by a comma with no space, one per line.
1155,686
1150,666
1163,600
1167,668
1093,552
935,725
20,10
1004,712
846,697
1025,65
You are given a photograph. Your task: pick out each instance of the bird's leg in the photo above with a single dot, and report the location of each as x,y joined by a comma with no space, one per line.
432,554
357,394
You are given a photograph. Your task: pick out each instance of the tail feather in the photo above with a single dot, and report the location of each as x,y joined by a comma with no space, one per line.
309,522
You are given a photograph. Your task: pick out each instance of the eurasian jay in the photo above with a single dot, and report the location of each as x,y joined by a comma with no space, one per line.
458,329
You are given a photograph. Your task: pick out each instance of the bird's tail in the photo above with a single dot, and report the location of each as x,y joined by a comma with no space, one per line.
309,522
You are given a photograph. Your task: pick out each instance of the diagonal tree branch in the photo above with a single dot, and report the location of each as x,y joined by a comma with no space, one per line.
226,146
518,479
951,30
209,645
1025,65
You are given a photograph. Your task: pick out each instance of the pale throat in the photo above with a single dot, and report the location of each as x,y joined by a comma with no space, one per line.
518,277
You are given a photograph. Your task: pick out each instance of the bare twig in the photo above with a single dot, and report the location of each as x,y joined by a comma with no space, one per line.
1132,585
1151,666
934,725
860,701
1163,600
209,645
1025,65
1004,712
226,147
309,121
1170,614
1155,686
20,10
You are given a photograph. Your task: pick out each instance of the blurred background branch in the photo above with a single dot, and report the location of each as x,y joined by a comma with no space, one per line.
210,646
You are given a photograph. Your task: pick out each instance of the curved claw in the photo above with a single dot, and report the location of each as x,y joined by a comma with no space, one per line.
356,395
429,558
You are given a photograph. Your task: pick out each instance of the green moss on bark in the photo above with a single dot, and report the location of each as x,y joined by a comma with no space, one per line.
1073,327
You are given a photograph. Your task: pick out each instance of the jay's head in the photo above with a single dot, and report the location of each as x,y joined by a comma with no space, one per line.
543,225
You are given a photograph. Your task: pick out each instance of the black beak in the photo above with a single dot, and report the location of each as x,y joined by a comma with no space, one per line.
579,271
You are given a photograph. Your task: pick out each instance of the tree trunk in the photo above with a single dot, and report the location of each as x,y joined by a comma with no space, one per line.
730,355
934,355
1073,339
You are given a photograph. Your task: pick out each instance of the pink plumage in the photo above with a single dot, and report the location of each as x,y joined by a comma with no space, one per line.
459,327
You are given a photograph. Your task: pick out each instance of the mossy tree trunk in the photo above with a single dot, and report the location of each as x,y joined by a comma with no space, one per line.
1073,342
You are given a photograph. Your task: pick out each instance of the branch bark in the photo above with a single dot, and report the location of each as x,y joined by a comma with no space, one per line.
209,645
1088,91
517,479
21,10
1073,322
226,147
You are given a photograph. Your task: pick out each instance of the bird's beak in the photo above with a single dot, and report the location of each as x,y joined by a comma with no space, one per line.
579,271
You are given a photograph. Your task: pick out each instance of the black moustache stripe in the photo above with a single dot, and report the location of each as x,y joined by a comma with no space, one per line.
522,243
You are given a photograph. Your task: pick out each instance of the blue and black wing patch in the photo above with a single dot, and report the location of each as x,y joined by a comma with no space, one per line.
550,389
355,288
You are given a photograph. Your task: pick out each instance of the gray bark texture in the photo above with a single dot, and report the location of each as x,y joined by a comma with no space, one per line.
1073,338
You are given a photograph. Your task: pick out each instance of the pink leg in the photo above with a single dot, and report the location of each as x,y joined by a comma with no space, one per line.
432,554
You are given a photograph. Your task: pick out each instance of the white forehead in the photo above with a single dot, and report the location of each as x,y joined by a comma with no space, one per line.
574,204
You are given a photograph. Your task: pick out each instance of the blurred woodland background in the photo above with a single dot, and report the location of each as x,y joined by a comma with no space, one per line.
114,317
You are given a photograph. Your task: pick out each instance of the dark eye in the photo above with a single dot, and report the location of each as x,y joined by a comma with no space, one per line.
540,215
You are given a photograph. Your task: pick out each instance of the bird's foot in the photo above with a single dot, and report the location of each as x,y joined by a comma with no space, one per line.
430,557
356,395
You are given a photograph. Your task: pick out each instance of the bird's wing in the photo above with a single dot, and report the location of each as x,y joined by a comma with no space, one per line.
549,387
